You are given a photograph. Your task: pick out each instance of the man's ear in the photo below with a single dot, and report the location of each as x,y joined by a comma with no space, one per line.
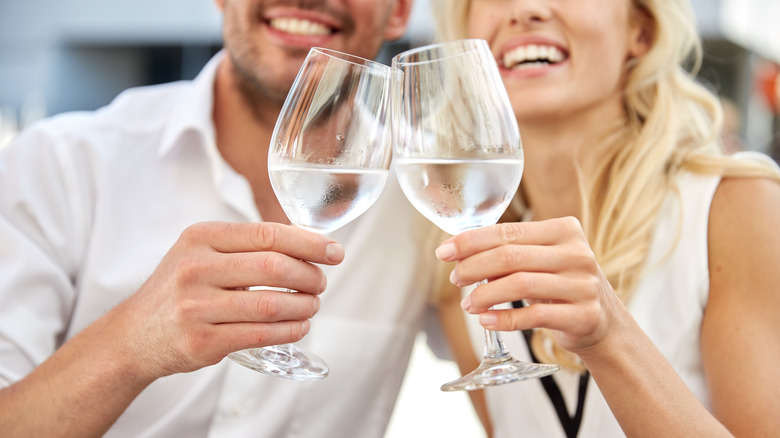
398,19
220,5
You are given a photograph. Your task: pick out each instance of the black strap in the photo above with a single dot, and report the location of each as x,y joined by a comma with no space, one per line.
571,425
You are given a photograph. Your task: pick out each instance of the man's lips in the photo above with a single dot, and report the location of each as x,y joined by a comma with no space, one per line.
303,23
300,26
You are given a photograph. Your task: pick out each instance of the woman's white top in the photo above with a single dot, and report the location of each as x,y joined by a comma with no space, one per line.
668,304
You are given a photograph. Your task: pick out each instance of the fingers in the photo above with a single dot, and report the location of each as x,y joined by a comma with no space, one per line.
576,305
184,333
566,318
506,259
266,269
199,305
540,233
259,306
241,255
266,236
239,336
547,263
256,318
556,246
524,286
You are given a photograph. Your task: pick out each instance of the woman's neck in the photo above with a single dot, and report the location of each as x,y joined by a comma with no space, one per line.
558,153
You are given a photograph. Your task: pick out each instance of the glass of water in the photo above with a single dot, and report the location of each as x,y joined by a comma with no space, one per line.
459,160
328,162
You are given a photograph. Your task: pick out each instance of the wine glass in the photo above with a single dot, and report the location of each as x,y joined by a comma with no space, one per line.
328,162
459,161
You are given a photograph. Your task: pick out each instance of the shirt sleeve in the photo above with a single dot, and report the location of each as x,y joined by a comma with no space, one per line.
38,251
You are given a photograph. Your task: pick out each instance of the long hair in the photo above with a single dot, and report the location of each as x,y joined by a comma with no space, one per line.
671,123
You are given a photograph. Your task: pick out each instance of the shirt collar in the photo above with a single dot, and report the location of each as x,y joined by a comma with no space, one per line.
193,112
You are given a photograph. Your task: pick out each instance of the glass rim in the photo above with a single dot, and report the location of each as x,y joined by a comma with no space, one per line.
352,59
475,43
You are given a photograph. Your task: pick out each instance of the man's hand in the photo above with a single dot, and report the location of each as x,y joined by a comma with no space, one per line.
197,307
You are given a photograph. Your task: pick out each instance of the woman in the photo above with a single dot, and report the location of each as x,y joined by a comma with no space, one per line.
647,256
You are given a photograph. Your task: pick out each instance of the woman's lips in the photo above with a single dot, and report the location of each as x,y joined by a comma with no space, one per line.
532,56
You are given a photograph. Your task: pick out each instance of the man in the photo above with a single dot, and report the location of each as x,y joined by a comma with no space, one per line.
131,235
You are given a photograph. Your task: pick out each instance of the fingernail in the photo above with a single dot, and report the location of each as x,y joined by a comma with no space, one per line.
488,319
316,304
334,252
305,326
466,303
454,278
445,251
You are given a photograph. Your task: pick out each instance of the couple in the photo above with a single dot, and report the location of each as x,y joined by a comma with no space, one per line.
128,236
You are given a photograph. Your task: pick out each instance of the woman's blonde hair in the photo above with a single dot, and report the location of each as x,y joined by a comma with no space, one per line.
672,123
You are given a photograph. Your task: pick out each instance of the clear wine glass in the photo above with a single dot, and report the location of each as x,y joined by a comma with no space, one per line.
328,162
459,161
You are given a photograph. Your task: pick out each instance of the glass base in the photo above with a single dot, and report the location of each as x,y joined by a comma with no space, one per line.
498,373
286,361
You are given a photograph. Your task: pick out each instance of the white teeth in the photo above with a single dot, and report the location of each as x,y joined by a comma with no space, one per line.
299,26
534,55
532,52
529,65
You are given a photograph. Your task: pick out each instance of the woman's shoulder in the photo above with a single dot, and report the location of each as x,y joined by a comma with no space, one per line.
740,204
748,196
743,225
742,176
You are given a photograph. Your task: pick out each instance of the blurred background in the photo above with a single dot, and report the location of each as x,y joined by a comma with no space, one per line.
65,55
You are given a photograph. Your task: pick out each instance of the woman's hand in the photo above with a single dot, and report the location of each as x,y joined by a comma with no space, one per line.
547,263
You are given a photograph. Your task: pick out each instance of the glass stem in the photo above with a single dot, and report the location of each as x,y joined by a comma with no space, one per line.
495,351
